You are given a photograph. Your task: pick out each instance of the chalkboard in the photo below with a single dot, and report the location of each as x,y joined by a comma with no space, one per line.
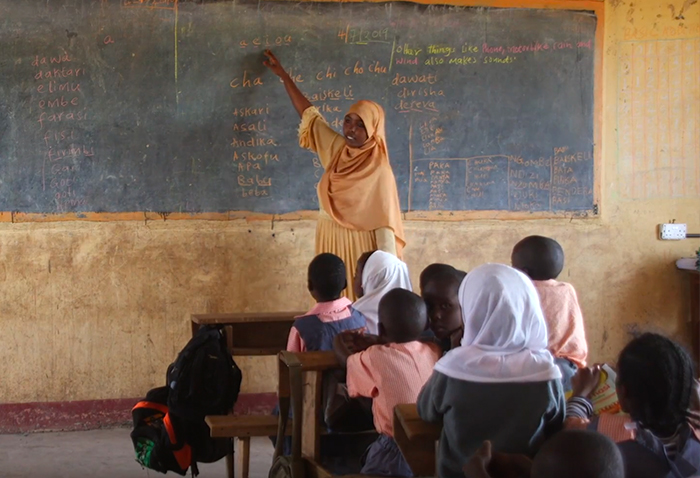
155,105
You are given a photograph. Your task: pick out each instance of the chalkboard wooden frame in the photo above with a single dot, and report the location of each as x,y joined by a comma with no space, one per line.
595,6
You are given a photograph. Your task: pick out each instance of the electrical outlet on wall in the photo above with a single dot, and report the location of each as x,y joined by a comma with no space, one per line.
672,232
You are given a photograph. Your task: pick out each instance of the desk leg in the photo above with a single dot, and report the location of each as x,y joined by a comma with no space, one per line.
244,456
311,426
230,463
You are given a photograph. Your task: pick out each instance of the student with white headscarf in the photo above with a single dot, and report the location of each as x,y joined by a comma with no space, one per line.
501,384
377,273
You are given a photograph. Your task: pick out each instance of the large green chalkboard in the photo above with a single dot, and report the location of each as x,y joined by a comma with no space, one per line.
151,105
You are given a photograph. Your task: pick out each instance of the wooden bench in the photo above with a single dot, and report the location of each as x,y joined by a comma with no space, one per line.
243,428
416,439
247,334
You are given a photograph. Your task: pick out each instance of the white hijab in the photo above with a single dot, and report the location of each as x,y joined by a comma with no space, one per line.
505,335
382,273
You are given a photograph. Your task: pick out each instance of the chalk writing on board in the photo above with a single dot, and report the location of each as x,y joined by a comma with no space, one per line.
498,103
57,95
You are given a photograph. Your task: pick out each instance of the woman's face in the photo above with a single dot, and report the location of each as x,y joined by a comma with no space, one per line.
354,130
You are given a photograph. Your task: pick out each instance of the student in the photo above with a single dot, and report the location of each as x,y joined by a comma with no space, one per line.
501,383
377,273
440,290
542,259
569,454
432,270
390,369
655,383
332,314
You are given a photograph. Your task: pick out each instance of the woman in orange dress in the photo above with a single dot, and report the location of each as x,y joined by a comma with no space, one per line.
358,198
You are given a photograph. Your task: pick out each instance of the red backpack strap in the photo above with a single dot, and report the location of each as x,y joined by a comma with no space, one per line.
152,405
184,454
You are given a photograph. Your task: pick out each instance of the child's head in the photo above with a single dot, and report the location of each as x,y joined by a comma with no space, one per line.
402,316
357,282
441,294
541,258
655,383
326,277
432,270
578,454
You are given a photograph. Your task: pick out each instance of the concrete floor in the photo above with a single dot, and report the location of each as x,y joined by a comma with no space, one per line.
98,453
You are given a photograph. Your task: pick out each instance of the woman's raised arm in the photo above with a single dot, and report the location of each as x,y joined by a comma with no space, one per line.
300,102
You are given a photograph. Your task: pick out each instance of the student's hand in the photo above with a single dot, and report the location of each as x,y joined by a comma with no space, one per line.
273,64
363,341
585,381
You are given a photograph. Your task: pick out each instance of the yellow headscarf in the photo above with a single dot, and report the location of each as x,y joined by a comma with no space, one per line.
358,189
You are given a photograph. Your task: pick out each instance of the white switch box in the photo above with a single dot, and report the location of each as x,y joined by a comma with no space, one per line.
672,232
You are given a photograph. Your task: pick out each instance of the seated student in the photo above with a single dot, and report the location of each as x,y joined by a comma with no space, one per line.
377,273
542,259
655,383
432,270
316,330
440,290
390,369
501,383
332,314
569,454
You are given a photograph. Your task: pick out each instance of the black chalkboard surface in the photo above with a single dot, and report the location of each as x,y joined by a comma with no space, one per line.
155,105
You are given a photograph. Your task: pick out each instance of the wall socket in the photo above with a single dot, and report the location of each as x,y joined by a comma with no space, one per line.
672,232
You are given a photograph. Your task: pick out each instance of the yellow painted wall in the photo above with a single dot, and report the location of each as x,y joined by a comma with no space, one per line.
98,310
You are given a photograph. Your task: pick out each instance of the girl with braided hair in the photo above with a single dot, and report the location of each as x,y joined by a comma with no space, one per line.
655,385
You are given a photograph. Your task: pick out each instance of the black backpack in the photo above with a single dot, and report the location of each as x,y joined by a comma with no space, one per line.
204,379
169,430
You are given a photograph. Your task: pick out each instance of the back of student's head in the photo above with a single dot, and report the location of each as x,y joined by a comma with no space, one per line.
578,454
327,277
655,382
432,270
541,258
402,316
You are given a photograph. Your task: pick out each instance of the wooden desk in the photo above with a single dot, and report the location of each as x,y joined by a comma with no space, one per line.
263,333
416,439
694,283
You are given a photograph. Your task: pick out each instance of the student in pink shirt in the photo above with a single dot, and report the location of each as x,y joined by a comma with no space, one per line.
542,259
390,368
332,313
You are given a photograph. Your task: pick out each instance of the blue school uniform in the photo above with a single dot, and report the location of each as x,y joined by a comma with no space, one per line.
319,335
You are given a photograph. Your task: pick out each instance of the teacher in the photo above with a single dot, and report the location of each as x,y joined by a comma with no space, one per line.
359,201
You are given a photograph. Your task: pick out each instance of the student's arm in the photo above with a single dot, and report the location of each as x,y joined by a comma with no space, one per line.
361,370
430,399
579,408
300,102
